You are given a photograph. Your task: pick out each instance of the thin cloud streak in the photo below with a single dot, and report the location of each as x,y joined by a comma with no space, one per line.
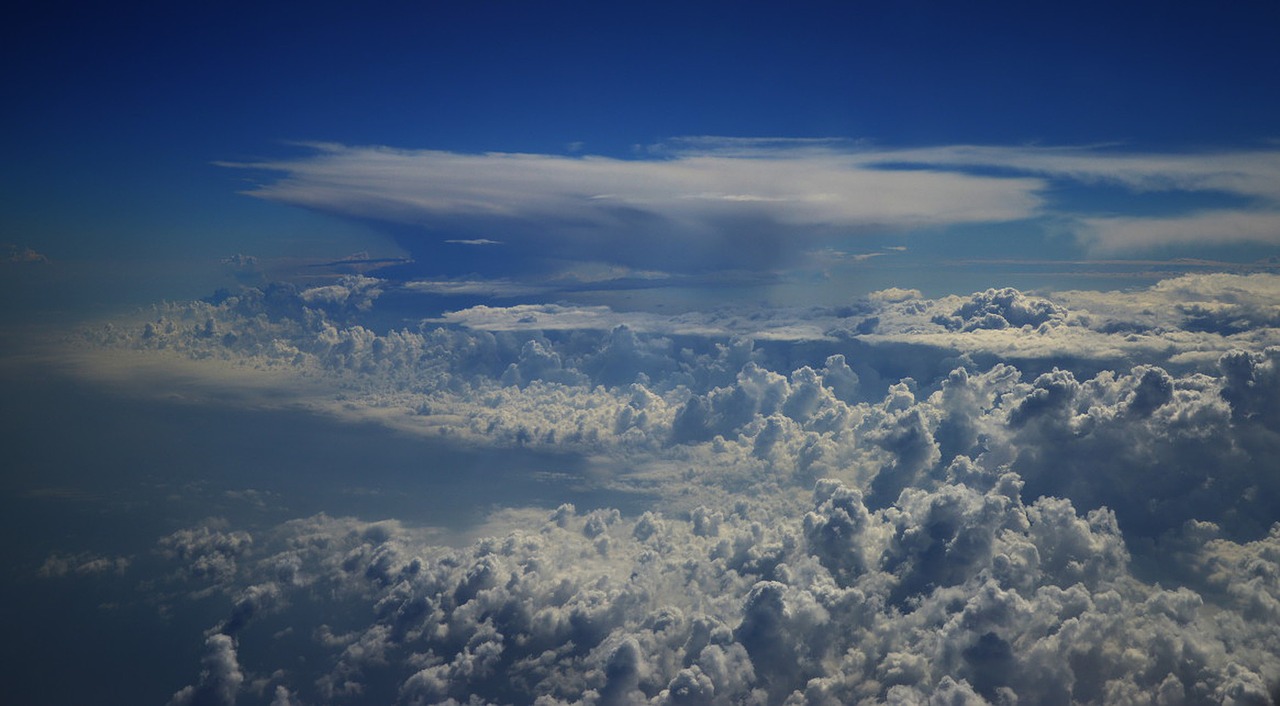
1253,175
1109,235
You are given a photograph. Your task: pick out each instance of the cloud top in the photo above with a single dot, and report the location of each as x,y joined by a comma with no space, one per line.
756,204
722,208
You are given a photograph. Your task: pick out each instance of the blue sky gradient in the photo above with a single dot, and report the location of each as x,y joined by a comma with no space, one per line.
119,115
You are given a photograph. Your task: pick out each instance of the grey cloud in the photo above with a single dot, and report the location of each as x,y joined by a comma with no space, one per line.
206,554
82,564
20,255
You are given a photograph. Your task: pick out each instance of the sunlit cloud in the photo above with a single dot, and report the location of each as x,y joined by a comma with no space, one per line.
1124,234
1242,172
1251,176
741,206
757,203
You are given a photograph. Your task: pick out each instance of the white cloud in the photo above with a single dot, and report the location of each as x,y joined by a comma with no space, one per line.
1002,496
557,317
475,241
1243,175
796,189
1129,234
716,207
720,196
951,593
488,288
1247,172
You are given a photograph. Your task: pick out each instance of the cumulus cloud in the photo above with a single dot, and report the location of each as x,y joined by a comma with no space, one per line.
1002,497
952,595
220,678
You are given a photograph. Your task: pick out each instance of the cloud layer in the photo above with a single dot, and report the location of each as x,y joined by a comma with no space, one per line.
760,204
995,498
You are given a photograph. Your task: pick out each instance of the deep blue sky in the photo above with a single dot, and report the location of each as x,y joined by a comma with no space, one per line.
115,114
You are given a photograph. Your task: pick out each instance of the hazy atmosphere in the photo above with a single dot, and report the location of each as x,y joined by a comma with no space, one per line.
640,353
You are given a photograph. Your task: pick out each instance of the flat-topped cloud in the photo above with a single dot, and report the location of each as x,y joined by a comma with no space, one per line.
726,204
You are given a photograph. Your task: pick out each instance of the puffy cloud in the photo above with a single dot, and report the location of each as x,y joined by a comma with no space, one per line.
951,595
220,678
1151,412
1002,308
1076,505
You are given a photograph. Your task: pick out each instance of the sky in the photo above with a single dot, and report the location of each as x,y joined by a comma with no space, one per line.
640,353
135,132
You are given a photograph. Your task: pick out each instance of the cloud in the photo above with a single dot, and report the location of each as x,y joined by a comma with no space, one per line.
1065,497
720,208
475,241
1251,176
950,595
1128,234
758,204
81,564
1153,386
220,679
488,288
19,255
1247,172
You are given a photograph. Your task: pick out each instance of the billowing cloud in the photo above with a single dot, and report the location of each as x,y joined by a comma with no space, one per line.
952,595
1002,497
